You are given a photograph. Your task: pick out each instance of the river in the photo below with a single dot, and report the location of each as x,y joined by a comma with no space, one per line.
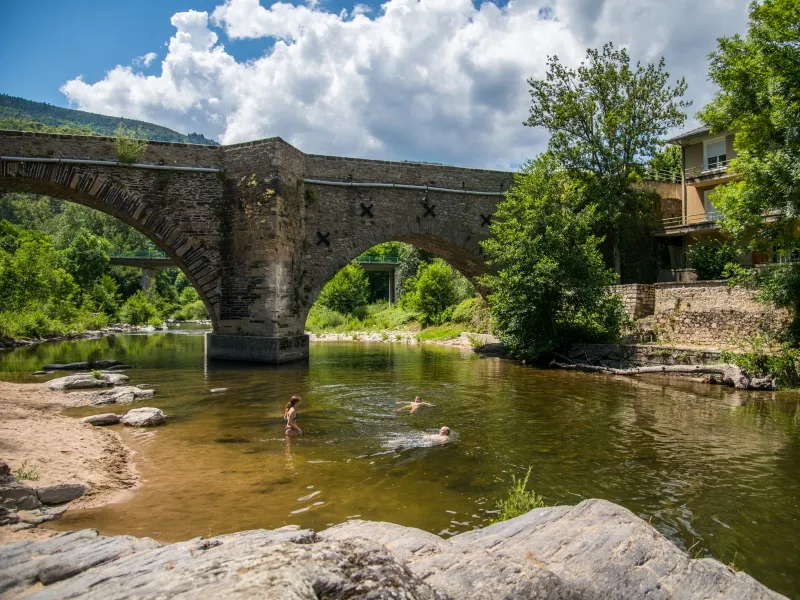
716,470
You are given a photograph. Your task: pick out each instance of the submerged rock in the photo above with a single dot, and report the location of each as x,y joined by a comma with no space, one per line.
60,493
82,366
101,420
143,417
591,551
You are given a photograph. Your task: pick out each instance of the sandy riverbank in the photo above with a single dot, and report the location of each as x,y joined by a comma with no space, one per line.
61,449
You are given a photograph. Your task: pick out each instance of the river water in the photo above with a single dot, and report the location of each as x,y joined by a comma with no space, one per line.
715,470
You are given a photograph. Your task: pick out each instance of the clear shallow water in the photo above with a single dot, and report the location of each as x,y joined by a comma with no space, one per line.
710,467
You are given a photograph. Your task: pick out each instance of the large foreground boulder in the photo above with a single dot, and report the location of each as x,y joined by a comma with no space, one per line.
595,550
143,417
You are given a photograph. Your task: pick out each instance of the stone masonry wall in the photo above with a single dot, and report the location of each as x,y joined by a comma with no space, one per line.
710,313
637,298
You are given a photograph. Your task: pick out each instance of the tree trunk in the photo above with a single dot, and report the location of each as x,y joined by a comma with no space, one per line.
732,375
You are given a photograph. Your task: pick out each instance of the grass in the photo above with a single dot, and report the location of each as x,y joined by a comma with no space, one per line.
520,500
441,332
26,473
97,374
373,317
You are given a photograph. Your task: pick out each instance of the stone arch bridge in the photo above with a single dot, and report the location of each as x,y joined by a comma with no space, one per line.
260,227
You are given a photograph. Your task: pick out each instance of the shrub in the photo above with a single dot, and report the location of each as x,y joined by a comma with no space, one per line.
474,313
347,291
781,364
194,311
710,259
138,309
321,318
433,292
26,473
520,500
129,148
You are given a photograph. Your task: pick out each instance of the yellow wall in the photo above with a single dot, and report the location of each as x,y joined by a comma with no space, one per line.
694,157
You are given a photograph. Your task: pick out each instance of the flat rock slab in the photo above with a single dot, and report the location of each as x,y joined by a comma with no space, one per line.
82,366
101,420
120,395
143,417
593,551
60,493
77,382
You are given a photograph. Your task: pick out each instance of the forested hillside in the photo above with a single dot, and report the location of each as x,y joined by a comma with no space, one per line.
19,114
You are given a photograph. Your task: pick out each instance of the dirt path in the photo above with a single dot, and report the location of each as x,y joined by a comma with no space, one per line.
61,449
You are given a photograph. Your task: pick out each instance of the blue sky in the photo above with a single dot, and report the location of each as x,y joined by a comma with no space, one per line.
438,80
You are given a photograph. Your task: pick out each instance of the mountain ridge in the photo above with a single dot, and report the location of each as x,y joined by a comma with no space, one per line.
28,115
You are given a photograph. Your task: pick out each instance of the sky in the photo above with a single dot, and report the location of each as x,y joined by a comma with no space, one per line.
431,80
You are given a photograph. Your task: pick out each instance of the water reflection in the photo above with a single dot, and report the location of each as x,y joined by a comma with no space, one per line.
714,469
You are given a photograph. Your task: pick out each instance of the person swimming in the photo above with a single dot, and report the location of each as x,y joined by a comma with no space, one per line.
442,437
399,441
290,416
413,406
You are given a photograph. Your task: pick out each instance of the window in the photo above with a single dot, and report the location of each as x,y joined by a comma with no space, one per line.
711,212
716,157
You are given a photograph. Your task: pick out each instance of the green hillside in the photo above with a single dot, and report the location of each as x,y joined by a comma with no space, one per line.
19,114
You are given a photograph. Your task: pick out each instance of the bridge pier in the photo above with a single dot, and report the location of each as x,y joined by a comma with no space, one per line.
254,348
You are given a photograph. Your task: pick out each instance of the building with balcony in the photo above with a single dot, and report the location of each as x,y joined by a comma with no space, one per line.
704,166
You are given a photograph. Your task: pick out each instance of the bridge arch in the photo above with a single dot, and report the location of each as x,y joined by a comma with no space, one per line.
128,195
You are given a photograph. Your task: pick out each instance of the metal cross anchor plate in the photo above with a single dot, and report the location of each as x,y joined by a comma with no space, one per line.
322,238
366,211
428,208
486,219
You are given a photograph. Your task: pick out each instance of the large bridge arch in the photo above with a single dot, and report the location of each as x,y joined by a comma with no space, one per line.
127,194
259,227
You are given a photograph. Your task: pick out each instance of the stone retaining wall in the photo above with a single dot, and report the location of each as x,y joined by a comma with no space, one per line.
625,356
705,313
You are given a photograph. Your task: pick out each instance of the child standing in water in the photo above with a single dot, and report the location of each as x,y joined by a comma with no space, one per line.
290,416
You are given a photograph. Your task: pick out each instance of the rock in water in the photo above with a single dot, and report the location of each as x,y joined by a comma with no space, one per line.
61,492
143,417
103,419
77,382
82,366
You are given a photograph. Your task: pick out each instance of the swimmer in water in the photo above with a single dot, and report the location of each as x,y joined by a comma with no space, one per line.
443,436
290,416
412,407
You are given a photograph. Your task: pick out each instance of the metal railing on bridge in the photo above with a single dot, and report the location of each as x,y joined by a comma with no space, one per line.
146,254
377,259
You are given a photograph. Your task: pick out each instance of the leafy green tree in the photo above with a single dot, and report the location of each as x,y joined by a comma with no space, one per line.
710,259
103,296
550,290
434,293
759,80
604,118
348,291
87,258
665,165
138,310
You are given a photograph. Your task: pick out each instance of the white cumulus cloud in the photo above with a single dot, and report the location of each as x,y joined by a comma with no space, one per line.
438,80
145,60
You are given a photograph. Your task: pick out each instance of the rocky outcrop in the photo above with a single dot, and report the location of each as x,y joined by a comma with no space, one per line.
120,395
87,381
143,417
102,420
21,506
60,493
593,551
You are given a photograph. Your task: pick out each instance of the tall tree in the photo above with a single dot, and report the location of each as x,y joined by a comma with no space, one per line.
605,118
759,98
550,290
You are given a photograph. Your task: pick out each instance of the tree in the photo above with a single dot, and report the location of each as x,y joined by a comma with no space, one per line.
87,258
759,98
550,290
665,165
710,259
347,291
604,118
433,292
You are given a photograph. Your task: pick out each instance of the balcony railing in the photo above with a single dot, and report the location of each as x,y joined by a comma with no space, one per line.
715,168
684,220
